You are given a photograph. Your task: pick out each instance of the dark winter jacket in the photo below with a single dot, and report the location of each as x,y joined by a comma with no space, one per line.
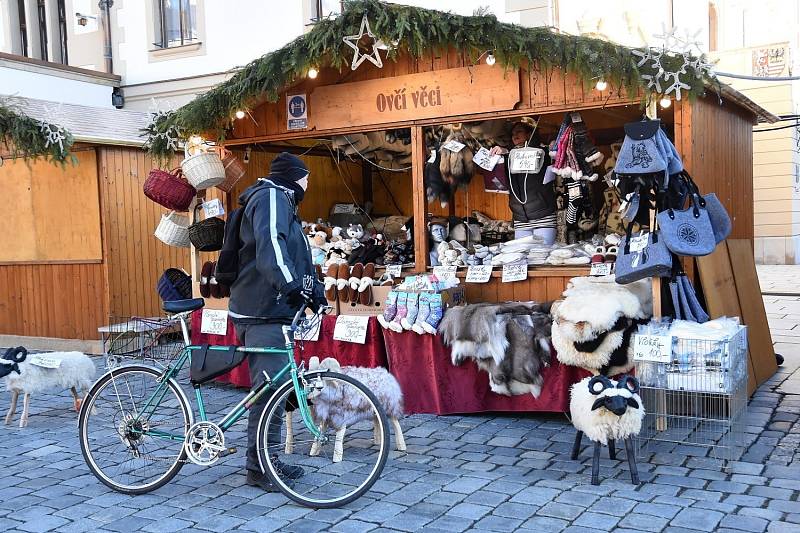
274,256
540,199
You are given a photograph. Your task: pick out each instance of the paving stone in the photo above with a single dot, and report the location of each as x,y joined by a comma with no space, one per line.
643,522
498,523
782,527
613,506
728,486
560,510
745,523
165,525
704,520
744,500
265,524
471,511
603,522
657,509
544,523
535,496
448,523
42,523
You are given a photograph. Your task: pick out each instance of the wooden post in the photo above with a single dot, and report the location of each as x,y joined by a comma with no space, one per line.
418,197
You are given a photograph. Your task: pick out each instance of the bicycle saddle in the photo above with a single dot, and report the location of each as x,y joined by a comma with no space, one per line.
181,306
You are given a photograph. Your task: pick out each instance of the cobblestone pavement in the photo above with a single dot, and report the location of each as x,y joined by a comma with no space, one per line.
476,473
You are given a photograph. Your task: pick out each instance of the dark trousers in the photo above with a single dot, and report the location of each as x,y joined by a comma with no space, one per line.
262,335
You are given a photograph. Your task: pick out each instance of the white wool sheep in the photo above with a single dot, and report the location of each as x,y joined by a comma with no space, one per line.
75,372
334,407
606,411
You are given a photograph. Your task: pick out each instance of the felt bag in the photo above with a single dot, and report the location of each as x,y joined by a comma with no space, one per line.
209,364
717,214
640,153
688,231
654,260
684,300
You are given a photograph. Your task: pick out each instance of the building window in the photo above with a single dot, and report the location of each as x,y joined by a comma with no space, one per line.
176,22
41,12
23,28
62,31
324,8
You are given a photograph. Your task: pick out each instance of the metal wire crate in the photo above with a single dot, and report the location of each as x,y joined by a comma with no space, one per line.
149,339
696,403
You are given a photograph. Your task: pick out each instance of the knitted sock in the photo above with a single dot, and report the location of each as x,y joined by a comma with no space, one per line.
412,305
574,203
402,311
422,314
436,313
389,310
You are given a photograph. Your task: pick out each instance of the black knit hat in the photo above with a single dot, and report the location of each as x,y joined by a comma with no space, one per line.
288,166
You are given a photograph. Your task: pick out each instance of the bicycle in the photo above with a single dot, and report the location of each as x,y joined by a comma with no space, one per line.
137,428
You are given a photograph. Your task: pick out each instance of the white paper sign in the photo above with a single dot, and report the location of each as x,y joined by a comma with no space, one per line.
351,329
214,322
485,160
525,160
514,273
346,209
296,112
444,273
213,208
639,242
601,269
479,273
432,158
310,334
655,348
44,361
394,270
453,146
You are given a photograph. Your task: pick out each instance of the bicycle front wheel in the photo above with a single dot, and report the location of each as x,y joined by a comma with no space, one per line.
132,429
340,466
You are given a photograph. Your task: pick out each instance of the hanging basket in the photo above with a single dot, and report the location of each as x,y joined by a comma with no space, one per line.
206,235
174,230
234,170
169,189
204,169
174,284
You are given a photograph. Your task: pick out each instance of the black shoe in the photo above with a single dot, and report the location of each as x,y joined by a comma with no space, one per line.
288,471
257,479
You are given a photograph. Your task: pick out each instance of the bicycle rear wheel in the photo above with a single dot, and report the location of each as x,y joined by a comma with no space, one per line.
341,466
127,450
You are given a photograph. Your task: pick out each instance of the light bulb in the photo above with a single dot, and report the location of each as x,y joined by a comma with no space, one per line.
490,59
313,73
602,85
196,140
665,102
240,114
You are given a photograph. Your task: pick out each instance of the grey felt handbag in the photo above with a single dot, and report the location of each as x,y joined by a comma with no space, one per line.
654,260
717,214
640,152
688,231
684,300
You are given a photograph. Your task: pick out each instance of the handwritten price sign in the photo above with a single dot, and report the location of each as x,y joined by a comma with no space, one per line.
351,329
479,273
513,273
653,348
214,322
601,269
444,273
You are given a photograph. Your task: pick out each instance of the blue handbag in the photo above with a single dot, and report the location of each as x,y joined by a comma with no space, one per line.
654,260
717,214
688,231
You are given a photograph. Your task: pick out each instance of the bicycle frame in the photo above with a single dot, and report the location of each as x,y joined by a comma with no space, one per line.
235,414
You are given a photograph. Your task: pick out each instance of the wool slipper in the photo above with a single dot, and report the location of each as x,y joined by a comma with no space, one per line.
342,276
214,287
355,279
611,254
599,255
205,276
330,282
365,285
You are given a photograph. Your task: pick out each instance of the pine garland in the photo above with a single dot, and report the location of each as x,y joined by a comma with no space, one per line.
30,138
417,31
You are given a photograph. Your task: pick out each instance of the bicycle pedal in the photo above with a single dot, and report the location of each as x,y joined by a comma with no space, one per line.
227,451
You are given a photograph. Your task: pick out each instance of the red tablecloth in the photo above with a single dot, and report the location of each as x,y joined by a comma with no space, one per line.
431,384
371,354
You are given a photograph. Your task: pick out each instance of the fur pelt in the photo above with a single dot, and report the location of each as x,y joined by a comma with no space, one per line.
601,424
77,370
510,341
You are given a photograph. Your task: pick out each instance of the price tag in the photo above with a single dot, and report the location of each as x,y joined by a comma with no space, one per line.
432,158
453,146
214,322
394,270
351,329
479,273
44,361
639,242
444,273
575,117
525,160
485,160
654,348
310,334
344,209
514,273
601,269
213,208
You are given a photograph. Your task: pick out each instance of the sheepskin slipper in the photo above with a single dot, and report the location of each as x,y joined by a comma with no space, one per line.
365,285
356,273
330,282
342,277
205,276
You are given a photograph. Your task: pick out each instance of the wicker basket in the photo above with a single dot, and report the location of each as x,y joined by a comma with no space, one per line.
174,284
234,170
206,235
174,230
169,189
203,170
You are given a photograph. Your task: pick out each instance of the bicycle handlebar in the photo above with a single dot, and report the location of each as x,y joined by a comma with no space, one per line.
301,313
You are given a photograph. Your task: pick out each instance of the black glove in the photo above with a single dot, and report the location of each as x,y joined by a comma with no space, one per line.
318,299
295,296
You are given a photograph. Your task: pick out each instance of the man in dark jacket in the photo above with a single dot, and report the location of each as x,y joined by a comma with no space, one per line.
276,276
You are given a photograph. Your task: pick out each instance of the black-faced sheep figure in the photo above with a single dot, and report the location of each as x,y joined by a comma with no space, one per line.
607,411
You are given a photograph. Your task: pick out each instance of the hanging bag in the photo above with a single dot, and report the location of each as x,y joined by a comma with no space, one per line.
234,169
640,154
174,284
654,260
685,303
204,169
169,189
173,230
687,231
207,235
209,364
717,214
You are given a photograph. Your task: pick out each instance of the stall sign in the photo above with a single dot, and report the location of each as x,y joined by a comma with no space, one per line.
213,208
513,273
454,146
601,269
296,112
214,322
653,348
44,361
394,270
351,329
484,159
309,333
444,273
523,160
479,273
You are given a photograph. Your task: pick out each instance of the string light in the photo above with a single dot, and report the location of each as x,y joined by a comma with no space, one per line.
240,114
490,59
602,85
313,73
665,102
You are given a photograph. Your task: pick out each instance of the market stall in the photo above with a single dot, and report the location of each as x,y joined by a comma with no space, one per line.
404,188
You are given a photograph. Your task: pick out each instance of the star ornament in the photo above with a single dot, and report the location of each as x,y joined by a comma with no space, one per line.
354,42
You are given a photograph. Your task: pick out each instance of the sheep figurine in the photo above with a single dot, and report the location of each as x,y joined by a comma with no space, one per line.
607,411
330,410
70,370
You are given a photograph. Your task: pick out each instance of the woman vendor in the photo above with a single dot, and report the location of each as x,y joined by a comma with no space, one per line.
532,201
